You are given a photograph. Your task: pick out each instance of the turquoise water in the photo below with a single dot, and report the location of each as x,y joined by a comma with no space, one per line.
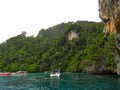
67,81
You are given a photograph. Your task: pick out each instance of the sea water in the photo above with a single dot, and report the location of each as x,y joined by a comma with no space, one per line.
67,81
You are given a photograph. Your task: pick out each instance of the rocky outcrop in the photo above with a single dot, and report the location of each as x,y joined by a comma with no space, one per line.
117,53
109,11
96,69
72,35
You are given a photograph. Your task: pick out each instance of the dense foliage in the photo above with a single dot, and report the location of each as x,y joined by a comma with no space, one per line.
50,49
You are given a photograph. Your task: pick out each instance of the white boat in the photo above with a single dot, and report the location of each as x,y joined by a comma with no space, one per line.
19,73
55,73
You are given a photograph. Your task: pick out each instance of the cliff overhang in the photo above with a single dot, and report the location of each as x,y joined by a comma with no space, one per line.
109,12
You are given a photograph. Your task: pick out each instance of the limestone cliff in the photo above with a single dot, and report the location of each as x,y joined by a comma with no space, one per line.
109,11
117,53
71,35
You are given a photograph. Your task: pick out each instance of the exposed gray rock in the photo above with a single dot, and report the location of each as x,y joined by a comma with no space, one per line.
72,35
96,69
117,53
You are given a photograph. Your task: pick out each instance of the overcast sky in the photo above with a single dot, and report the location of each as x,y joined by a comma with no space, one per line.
32,15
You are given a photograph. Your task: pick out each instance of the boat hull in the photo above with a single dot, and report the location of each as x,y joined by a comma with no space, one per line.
19,73
4,73
55,75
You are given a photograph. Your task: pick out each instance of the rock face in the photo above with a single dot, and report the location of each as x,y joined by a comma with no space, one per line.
117,53
96,69
109,11
72,35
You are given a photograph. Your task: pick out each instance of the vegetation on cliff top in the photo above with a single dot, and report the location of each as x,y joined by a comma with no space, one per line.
50,49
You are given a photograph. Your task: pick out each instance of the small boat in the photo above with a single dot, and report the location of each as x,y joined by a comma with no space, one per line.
55,73
19,73
4,73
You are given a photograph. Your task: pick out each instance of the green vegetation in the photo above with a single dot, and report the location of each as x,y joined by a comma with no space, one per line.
50,49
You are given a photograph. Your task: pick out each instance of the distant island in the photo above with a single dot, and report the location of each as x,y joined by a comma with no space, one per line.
71,47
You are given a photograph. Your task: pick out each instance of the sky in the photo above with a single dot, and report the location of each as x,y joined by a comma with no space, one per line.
33,15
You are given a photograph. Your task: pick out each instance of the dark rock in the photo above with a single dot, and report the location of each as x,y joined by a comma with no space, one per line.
117,53
96,69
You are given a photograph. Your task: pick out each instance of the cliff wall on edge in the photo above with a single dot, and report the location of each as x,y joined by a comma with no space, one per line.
109,11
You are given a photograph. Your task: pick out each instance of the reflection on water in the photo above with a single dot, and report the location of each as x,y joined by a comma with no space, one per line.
67,81
54,82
